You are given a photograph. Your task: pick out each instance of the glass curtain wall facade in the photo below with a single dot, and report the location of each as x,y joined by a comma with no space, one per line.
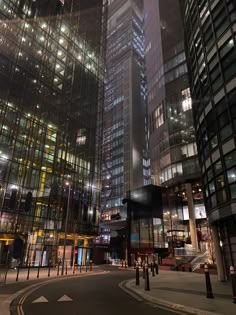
173,148
210,28
51,98
126,164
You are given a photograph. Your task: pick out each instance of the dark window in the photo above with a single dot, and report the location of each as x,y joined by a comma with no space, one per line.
230,159
222,195
233,191
223,119
213,200
220,181
217,167
226,132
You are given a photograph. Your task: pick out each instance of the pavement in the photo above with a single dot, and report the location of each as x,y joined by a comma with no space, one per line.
185,292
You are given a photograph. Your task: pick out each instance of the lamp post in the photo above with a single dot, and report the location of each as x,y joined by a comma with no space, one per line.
66,226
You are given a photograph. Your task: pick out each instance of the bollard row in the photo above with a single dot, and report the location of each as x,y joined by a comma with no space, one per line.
209,293
28,271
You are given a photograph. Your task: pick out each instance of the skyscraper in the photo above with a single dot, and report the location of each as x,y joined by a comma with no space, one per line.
51,89
125,156
173,148
210,28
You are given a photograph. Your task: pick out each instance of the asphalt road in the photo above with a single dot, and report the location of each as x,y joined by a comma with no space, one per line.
91,295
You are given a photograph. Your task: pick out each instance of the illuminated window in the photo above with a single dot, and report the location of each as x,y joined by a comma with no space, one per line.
81,137
158,117
186,100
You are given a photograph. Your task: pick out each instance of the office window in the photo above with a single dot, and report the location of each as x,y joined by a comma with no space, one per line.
158,117
186,100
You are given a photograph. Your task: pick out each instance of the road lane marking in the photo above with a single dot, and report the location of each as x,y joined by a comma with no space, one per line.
64,298
41,299
36,286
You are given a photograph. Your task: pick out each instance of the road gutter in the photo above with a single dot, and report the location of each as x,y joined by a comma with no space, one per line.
167,305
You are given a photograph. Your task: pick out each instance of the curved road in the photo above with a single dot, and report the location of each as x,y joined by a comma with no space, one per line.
93,295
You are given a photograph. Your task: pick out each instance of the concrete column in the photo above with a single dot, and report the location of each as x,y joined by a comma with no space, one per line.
85,251
192,221
218,254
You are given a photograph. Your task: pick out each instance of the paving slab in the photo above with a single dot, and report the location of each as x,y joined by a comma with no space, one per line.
186,292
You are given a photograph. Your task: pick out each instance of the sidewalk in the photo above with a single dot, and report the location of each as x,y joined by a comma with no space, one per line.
186,292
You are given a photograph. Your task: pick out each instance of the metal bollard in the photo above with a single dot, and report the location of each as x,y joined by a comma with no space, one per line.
17,274
66,269
190,269
125,264
157,269
58,269
137,275
5,278
74,269
90,265
122,263
86,267
183,268
49,269
233,279
144,271
27,278
209,293
147,284
80,268
38,271
153,270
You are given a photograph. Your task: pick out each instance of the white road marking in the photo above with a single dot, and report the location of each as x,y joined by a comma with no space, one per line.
64,298
42,299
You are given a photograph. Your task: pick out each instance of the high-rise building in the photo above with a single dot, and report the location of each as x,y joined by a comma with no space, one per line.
51,104
173,149
126,163
210,28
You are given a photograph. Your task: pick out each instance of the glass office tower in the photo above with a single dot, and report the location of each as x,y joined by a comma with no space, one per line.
126,162
210,28
51,97
173,149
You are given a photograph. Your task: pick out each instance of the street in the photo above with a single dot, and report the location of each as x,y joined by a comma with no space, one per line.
98,294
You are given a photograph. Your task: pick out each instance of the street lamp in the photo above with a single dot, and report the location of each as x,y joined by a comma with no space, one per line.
66,226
